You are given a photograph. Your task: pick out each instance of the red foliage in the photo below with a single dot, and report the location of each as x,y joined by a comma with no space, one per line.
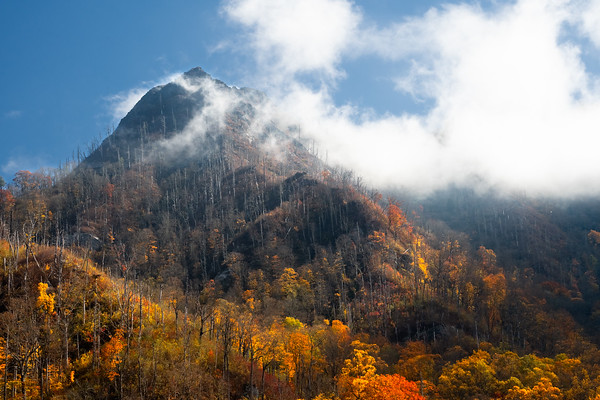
392,387
7,200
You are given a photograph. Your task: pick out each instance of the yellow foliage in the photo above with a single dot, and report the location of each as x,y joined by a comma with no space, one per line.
357,373
423,266
324,396
292,284
544,390
85,361
4,249
292,323
45,301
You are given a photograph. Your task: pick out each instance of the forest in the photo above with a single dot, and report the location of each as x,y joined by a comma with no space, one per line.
234,274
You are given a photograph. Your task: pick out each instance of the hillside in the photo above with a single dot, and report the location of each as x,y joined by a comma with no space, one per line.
203,251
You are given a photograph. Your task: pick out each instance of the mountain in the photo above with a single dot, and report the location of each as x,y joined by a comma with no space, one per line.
198,116
545,235
202,250
221,186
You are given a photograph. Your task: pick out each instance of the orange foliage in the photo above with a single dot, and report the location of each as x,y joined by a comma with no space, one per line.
395,216
495,290
594,237
111,354
416,363
392,387
398,223
487,259
378,238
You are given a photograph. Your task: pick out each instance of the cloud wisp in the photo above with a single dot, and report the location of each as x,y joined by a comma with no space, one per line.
515,107
121,103
17,162
205,124
224,109
13,114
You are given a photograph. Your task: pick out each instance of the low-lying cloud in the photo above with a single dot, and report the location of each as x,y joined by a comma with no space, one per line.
263,125
514,105
209,121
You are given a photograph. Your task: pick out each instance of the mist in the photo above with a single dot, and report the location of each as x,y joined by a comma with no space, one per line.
514,106
264,125
507,95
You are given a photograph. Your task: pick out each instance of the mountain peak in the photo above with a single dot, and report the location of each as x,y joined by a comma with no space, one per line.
196,72
196,115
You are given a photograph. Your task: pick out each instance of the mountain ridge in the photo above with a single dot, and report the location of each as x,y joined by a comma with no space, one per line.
236,264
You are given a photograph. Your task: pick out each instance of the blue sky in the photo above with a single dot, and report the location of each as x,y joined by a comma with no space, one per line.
64,60
403,89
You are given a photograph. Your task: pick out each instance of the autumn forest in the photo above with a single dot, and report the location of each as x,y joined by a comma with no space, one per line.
243,272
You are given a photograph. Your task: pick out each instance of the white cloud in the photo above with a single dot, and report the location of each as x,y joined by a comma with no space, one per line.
11,166
514,105
209,121
292,37
510,97
121,103
263,124
590,21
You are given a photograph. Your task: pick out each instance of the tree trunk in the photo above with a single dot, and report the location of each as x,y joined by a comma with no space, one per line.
5,368
23,391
